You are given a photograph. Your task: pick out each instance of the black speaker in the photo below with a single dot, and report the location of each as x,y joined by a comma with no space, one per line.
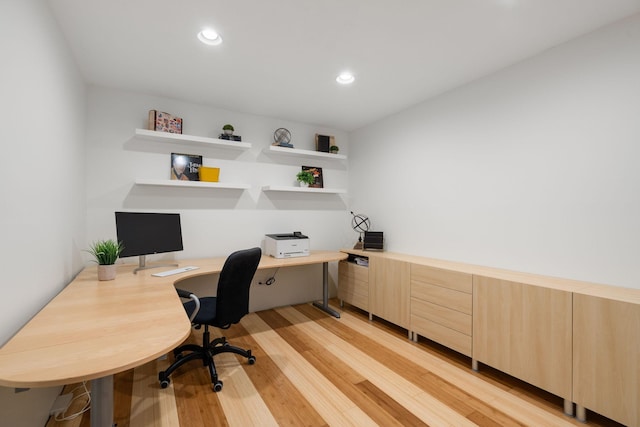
373,240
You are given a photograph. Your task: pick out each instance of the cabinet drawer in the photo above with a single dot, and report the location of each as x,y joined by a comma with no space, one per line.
441,334
455,280
455,300
444,316
355,271
355,292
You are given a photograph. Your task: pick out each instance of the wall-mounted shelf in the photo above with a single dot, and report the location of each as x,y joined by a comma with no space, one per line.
191,139
191,184
274,149
303,189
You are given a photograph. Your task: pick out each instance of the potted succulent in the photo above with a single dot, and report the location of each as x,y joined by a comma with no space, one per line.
334,149
227,129
305,178
106,253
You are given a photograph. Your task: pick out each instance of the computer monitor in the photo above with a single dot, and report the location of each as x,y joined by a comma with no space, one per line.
148,233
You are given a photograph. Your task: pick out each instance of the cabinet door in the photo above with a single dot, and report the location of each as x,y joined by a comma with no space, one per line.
525,331
606,343
353,284
389,286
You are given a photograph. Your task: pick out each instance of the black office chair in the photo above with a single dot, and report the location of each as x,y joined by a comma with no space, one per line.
229,305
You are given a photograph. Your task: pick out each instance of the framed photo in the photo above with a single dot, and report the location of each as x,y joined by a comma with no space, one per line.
185,167
324,142
317,174
164,122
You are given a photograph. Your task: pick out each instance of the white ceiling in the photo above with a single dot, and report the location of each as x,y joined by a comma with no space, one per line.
280,57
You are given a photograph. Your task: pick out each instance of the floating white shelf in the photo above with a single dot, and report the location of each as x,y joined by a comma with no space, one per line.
274,149
190,139
192,184
303,189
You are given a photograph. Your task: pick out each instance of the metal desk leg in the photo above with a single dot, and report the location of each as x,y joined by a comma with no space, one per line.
324,306
102,402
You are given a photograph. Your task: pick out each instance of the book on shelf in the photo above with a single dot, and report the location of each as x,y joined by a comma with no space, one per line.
164,122
236,138
185,167
317,174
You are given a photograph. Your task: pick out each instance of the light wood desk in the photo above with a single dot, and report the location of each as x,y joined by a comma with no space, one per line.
92,330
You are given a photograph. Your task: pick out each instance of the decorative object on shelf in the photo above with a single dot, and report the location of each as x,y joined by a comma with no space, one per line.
208,174
360,224
227,129
334,149
282,138
164,122
305,178
373,240
184,167
317,176
106,252
324,142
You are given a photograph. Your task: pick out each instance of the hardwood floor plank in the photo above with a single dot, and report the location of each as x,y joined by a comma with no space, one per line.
152,406
328,400
123,385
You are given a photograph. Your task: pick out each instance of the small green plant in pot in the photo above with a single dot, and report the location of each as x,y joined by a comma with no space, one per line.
105,253
305,178
227,129
334,149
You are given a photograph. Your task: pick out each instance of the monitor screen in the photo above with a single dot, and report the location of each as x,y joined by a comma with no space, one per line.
146,233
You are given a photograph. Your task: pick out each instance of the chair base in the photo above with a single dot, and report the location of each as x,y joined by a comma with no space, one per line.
206,352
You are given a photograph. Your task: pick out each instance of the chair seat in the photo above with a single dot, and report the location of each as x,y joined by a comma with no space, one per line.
207,313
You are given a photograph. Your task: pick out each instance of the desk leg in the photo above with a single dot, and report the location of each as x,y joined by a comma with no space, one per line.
324,306
102,401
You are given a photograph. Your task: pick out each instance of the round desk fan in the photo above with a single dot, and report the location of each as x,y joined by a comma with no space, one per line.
360,223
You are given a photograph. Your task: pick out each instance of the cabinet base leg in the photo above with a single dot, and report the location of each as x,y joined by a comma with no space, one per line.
568,408
370,317
474,365
581,413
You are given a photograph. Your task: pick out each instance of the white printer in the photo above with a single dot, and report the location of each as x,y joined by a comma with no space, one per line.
287,245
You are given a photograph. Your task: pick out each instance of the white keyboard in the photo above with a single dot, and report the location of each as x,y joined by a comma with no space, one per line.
176,271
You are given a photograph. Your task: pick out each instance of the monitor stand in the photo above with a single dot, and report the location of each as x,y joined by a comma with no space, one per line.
142,264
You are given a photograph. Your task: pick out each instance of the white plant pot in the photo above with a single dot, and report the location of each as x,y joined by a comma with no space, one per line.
227,131
303,184
106,272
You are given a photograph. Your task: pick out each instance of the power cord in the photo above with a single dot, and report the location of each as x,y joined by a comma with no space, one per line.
271,280
61,415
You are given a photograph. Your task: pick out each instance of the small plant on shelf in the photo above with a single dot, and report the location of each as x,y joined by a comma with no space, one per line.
305,178
334,149
228,129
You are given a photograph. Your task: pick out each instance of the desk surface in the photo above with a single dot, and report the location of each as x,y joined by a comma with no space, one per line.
93,329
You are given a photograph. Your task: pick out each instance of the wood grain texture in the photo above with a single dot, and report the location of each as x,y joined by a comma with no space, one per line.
353,284
525,331
315,370
389,290
606,346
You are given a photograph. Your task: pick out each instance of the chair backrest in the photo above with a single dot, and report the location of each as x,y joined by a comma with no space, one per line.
233,286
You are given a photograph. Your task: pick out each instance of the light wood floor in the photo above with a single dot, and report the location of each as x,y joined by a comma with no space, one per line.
315,370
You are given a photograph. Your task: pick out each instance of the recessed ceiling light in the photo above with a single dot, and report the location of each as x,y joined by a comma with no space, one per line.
210,37
345,78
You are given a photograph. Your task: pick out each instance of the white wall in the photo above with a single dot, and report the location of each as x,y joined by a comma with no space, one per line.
534,168
42,193
214,222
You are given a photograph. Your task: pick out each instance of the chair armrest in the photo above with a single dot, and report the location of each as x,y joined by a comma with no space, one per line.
190,295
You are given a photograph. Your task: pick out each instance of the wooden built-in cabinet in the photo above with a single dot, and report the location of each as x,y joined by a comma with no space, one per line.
389,287
441,306
577,340
353,282
606,357
525,331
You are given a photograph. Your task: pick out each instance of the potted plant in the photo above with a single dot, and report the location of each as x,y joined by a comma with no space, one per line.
334,149
227,129
106,253
305,178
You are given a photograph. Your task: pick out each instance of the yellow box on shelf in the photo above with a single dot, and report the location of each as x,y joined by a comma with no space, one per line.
209,174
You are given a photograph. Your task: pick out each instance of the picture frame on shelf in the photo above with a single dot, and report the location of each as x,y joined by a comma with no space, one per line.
160,121
317,174
185,167
324,142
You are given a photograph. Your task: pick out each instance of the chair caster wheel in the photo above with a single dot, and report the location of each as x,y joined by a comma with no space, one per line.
217,386
164,381
251,360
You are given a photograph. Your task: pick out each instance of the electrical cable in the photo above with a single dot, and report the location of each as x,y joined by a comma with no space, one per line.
61,417
271,280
